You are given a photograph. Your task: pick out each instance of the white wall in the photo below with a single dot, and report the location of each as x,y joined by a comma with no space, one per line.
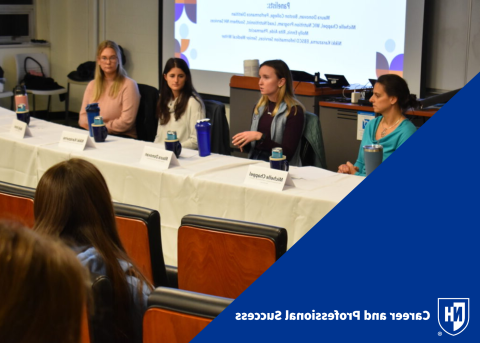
452,50
77,26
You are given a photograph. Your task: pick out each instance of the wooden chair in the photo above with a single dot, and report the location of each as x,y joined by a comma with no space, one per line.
177,316
223,257
139,230
16,203
97,321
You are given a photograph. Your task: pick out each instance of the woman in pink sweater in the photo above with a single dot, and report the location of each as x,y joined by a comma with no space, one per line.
116,94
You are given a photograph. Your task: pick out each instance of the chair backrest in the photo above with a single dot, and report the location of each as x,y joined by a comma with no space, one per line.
100,314
220,134
40,57
146,122
312,150
223,257
16,203
177,316
139,230
85,328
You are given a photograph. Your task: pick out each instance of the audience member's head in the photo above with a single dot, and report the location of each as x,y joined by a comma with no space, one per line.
42,288
72,202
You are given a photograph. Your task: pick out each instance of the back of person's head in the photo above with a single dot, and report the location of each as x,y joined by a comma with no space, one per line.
166,94
42,288
72,202
285,93
396,86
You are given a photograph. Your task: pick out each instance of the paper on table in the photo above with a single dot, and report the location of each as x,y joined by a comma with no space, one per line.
186,153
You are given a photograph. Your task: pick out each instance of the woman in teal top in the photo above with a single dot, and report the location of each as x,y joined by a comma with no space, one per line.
391,99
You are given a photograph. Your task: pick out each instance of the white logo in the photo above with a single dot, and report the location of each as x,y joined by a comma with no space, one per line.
453,314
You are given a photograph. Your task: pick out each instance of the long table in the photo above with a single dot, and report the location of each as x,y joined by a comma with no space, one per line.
212,185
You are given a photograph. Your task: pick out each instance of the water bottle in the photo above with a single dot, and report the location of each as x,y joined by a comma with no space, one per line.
278,160
172,143
92,111
203,127
99,130
21,103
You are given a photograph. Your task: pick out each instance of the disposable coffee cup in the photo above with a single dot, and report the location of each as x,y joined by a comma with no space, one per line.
373,156
250,67
355,97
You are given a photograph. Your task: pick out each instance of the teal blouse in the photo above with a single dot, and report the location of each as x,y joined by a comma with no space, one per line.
390,142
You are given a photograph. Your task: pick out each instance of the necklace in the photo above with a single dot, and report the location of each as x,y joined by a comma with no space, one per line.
384,132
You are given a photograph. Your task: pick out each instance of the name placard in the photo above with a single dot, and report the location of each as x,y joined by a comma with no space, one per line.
268,178
75,141
20,129
159,158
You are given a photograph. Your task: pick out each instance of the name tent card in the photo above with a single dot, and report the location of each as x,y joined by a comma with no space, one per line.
75,141
268,178
20,129
159,158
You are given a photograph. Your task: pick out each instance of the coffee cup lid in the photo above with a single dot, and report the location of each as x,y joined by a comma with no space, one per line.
373,148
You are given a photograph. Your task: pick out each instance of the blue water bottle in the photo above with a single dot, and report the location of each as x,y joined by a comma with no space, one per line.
92,111
203,136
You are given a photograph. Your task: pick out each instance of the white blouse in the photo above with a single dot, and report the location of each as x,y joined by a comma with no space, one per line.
185,126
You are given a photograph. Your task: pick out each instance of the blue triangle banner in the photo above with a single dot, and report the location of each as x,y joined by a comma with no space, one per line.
396,261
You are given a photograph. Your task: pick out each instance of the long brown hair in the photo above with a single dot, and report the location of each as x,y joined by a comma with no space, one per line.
285,94
166,94
42,288
100,75
72,201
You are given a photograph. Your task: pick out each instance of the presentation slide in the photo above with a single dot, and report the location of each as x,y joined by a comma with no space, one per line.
360,40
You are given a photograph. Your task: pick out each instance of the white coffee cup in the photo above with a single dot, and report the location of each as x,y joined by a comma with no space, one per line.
355,97
250,68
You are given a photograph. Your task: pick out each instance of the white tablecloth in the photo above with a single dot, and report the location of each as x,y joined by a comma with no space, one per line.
210,185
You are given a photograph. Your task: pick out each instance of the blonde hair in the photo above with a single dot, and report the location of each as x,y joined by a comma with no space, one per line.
100,75
43,288
285,93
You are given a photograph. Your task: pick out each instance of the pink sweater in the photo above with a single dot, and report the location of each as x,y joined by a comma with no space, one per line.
118,113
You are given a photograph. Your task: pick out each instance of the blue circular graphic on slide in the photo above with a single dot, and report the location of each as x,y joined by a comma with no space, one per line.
184,31
193,54
390,45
